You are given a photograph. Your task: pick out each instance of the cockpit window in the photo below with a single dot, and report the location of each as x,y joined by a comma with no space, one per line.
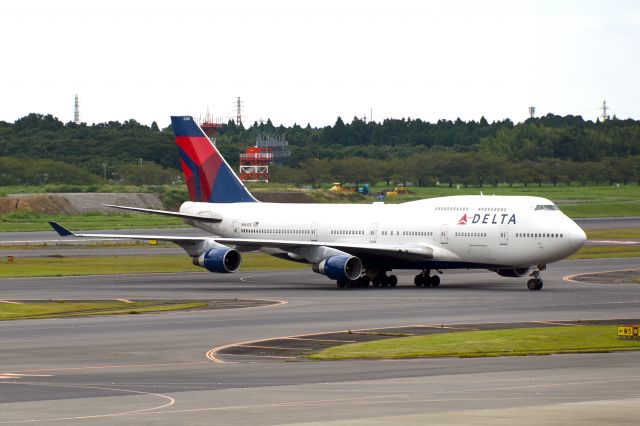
546,207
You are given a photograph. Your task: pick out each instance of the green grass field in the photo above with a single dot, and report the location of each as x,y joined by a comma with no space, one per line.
602,252
11,311
612,234
105,265
522,341
104,245
575,201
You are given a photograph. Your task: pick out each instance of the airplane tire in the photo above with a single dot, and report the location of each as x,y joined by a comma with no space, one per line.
417,280
393,280
364,281
534,284
435,281
341,283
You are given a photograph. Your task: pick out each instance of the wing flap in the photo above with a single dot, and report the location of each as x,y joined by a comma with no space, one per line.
421,251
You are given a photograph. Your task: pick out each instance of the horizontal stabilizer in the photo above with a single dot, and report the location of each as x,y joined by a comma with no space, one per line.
61,230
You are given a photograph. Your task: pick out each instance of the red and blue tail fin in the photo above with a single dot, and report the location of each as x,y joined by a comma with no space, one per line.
209,177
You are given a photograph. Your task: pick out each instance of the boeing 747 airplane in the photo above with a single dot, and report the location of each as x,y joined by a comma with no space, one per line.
358,245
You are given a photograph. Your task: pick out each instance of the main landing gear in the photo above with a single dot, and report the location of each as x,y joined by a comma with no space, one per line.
363,281
536,283
383,280
375,278
424,280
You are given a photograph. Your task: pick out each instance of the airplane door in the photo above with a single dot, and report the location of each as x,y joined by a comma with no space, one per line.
373,233
236,227
504,235
444,234
314,231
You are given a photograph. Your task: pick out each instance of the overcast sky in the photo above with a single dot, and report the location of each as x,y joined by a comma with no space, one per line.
311,61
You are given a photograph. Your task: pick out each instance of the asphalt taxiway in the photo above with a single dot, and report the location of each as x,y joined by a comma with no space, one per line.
153,369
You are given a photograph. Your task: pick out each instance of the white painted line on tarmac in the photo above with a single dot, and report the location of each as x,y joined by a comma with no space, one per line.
320,340
280,348
19,375
572,278
557,323
169,402
616,242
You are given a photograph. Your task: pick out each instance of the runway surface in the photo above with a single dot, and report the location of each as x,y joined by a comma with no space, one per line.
152,369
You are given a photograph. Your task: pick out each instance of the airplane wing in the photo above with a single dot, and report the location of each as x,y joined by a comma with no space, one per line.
192,244
64,232
410,251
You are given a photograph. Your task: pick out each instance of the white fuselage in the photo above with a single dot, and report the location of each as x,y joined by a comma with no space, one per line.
464,231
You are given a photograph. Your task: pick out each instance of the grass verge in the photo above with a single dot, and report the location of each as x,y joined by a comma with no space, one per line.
605,252
613,234
54,309
574,201
106,245
104,265
519,341
28,222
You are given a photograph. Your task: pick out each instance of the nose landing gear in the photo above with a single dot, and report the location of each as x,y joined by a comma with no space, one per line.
536,283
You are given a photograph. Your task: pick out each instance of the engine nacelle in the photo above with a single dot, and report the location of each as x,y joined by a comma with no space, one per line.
220,259
340,267
513,273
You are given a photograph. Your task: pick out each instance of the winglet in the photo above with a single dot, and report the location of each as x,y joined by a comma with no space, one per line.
64,232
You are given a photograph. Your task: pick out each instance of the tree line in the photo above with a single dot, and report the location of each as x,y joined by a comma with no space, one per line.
551,148
465,169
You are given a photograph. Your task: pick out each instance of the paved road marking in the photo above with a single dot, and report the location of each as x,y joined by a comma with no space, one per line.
616,242
319,340
279,348
21,375
169,403
261,356
572,278
100,367
557,323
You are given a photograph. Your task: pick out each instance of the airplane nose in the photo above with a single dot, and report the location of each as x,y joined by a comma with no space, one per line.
578,238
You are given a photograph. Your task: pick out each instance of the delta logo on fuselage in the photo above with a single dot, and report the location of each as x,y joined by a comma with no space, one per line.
490,219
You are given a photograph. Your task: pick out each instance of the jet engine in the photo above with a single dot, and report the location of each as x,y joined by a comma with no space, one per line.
219,259
513,273
340,267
